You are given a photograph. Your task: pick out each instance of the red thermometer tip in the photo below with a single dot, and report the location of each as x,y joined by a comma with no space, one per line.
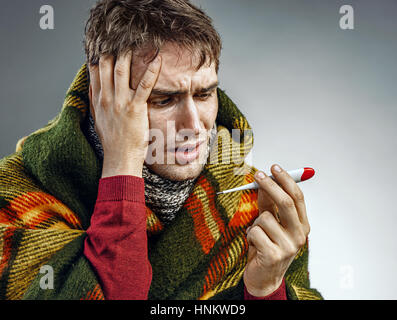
307,174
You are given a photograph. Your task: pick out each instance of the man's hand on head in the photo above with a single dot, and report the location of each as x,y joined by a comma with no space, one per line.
121,113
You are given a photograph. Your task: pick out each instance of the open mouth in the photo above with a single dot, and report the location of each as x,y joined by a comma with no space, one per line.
188,148
187,153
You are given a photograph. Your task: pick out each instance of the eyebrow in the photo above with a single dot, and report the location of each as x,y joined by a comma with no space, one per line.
165,92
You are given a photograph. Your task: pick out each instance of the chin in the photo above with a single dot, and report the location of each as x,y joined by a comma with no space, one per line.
176,172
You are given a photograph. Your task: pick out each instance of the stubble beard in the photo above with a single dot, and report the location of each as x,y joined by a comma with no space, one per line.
181,172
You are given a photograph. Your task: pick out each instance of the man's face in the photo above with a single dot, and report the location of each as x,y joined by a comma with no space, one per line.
182,109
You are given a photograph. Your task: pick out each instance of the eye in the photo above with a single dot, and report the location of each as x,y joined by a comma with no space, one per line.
204,96
163,102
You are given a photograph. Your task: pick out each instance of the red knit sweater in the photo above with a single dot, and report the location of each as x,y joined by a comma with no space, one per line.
116,242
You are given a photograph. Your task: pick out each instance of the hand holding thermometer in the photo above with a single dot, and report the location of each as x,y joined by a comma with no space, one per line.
298,175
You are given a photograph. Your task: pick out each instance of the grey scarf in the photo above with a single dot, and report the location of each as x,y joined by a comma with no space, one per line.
165,197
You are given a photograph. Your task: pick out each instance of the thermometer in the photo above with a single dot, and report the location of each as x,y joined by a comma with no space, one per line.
298,175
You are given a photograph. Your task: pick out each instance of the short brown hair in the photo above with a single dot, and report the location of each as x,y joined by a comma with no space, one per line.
116,26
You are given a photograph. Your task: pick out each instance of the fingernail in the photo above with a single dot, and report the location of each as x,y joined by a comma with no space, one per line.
277,168
260,175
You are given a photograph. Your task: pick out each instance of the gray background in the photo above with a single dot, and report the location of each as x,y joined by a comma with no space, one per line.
314,94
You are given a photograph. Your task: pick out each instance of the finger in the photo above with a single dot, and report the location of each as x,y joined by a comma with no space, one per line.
275,213
293,190
287,212
106,63
265,203
122,71
257,238
148,81
268,223
95,85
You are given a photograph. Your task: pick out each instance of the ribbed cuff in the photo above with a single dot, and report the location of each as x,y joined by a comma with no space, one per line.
279,294
121,187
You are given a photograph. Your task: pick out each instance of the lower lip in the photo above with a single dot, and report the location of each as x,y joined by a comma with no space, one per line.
183,157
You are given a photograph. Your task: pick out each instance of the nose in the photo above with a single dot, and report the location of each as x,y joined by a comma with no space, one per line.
190,117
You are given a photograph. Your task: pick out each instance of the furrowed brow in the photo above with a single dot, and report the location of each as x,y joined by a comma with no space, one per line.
209,88
165,92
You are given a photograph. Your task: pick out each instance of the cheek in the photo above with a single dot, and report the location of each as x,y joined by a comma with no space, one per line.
157,120
208,112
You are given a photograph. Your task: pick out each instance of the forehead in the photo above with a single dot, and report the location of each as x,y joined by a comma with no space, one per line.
178,69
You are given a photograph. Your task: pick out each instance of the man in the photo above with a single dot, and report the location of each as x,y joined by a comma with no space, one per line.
113,216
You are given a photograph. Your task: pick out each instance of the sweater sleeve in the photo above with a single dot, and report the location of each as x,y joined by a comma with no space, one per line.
279,294
116,242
